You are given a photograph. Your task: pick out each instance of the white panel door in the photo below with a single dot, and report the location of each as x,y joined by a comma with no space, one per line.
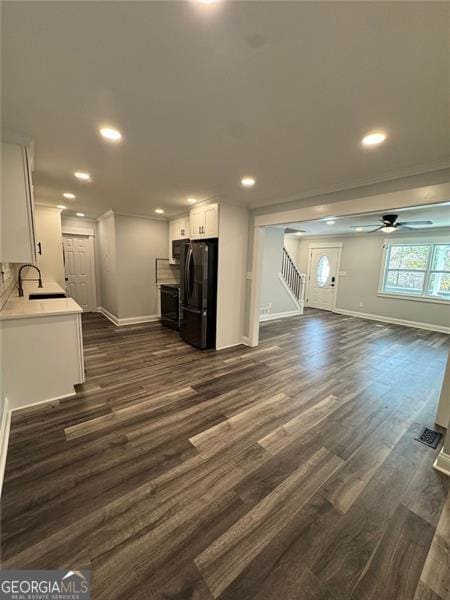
323,277
78,264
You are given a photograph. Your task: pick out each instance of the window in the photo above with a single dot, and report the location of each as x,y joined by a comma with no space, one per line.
323,271
420,270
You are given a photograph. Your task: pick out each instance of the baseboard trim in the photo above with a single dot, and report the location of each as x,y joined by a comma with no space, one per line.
108,315
136,320
128,320
230,345
281,315
392,320
294,300
442,462
55,401
4,440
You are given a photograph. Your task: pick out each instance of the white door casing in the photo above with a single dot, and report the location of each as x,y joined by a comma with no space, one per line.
79,270
323,268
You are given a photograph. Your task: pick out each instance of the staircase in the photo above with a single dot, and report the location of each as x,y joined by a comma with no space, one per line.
293,280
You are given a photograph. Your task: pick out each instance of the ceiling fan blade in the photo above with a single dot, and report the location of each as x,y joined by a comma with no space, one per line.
406,223
364,226
373,230
292,230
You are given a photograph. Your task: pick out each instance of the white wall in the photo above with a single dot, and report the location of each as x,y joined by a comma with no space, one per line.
48,233
108,265
139,242
273,293
232,273
361,262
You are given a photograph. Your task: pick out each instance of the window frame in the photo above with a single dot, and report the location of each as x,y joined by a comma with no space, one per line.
387,244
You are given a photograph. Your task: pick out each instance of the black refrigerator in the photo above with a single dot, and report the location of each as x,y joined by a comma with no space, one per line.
198,293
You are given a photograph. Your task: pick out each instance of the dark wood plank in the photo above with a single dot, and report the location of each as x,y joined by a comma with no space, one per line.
152,474
394,569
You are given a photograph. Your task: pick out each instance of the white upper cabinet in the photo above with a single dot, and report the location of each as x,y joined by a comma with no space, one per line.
17,218
197,221
179,228
205,221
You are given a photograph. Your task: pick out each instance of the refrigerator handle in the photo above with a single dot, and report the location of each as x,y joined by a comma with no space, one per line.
186,264
188,274
205,276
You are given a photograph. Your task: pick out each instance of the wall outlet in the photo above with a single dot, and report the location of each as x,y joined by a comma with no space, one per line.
361,305
265,310
249,275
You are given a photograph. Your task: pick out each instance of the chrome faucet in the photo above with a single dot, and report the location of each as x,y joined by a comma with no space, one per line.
20,279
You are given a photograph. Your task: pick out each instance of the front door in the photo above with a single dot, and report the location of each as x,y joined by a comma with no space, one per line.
322,277
78,265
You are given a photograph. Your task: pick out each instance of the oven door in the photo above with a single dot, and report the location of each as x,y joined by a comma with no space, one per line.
170,307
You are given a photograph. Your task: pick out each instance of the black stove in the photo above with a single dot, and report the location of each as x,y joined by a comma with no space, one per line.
170,305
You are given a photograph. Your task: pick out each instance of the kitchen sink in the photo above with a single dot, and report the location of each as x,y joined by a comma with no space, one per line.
46,296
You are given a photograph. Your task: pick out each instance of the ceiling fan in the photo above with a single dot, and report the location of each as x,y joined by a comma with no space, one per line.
389,224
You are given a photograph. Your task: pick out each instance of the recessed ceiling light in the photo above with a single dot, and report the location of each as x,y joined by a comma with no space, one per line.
110,134
82,175
69,196
248,181
61,206
80,215
373,139
159,211
192,200
331,222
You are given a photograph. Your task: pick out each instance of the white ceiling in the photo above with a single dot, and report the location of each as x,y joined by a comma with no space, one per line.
205,94
439,214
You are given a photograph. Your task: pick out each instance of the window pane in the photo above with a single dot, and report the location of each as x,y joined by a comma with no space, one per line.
408,257
404,282
323,271
439,285
441,258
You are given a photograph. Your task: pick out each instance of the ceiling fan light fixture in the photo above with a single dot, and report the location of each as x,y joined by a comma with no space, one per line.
388,229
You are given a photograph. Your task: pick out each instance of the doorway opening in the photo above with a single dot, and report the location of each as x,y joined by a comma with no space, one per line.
385,265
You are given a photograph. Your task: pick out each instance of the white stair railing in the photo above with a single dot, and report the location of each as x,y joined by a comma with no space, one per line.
294,279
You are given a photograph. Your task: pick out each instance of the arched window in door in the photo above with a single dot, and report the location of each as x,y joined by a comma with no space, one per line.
322,271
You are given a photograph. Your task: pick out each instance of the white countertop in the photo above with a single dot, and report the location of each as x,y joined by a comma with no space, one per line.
21,307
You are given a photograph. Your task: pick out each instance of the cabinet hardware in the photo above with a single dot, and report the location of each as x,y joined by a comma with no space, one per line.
39,248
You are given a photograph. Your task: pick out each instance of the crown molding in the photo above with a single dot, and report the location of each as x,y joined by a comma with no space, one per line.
388,177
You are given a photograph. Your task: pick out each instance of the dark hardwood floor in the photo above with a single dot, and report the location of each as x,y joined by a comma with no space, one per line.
288,471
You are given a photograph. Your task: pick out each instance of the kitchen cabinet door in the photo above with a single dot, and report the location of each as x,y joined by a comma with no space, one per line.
211,221
17,219
197,223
